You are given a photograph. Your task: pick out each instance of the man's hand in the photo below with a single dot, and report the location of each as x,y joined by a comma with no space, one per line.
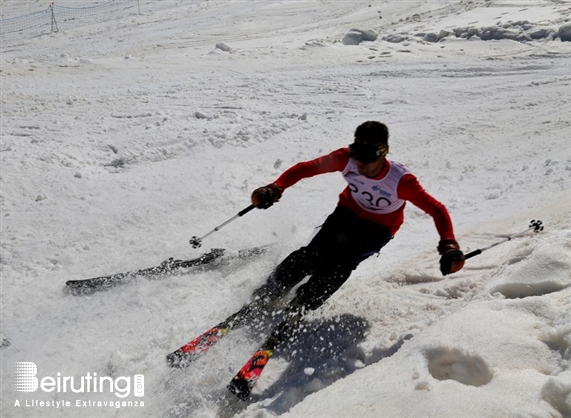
264,197
452,259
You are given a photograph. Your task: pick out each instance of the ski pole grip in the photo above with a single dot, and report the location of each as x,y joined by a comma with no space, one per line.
472,254
245,211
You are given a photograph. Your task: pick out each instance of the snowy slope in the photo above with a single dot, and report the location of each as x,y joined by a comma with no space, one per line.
121,140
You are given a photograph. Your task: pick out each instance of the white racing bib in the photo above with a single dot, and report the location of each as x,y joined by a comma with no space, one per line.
376,196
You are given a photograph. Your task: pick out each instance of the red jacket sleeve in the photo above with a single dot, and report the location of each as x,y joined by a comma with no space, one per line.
335,161
410,189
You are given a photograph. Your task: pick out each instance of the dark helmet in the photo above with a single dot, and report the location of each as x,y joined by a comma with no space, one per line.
372,133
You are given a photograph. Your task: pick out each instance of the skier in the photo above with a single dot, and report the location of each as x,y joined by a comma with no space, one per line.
369,213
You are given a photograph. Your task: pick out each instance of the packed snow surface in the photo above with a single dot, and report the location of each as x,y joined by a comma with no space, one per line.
123,139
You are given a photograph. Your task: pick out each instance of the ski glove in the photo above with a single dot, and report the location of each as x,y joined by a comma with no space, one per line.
452,259
264,197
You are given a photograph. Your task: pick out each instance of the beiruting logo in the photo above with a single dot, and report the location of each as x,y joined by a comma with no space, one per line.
26,380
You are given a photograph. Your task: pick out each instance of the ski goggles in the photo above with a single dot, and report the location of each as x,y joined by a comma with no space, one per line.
367,154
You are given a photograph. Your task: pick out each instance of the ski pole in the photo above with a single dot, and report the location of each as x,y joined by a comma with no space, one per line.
534,225
197,242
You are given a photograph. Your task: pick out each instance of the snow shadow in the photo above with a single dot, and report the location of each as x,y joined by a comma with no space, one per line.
324,351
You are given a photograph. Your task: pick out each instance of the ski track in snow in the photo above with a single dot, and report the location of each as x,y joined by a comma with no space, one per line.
122,140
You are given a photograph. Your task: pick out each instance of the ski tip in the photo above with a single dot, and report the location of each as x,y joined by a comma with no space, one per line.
240,388
74,283
179,360
98,283
78,290
174,360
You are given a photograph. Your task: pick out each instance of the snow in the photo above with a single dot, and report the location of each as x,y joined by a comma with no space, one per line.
123,139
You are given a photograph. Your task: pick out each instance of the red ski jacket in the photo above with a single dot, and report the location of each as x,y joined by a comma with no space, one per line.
407,189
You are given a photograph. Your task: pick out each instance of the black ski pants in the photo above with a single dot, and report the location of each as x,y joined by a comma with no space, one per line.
343,241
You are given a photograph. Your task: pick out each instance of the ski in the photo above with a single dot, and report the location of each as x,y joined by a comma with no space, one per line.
243,382
85,286
165,267
194,349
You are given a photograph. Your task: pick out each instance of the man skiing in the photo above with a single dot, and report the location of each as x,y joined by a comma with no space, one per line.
369,213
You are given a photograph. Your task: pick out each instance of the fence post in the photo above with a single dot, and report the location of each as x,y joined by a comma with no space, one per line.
53,18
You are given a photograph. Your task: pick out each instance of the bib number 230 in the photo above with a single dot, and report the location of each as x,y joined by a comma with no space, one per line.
380,202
